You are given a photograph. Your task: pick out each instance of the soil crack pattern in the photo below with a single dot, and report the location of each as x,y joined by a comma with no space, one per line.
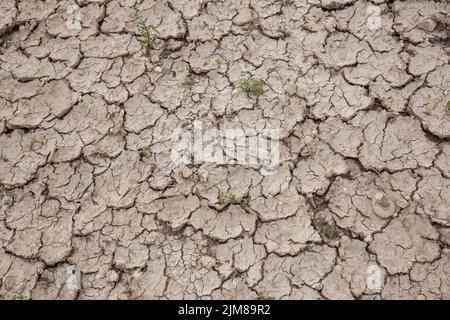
239,149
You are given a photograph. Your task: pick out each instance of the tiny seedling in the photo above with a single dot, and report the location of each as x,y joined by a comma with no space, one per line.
35,141
198,190
245,205
224,197
144,152
128,292
121,133
429,112
263,296
19,297
325,229
250,85
447,107
218,62
189,83
103,154
285,3
147,32
133,14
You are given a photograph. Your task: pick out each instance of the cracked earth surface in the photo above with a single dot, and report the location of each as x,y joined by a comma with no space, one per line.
364,179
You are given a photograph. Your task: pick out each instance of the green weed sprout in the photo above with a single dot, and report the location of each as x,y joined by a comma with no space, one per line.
251,85
147,33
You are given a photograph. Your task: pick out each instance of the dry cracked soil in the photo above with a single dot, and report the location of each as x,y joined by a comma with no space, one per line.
93,207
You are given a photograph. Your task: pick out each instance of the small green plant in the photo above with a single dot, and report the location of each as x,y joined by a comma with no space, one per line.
263,296
218,62
245,205
189,83
19,297
250,85
133,14
121,133
447,107
144,152
325,229
224,197
128,292
198,190
35,141
148,35
285,3
103,153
